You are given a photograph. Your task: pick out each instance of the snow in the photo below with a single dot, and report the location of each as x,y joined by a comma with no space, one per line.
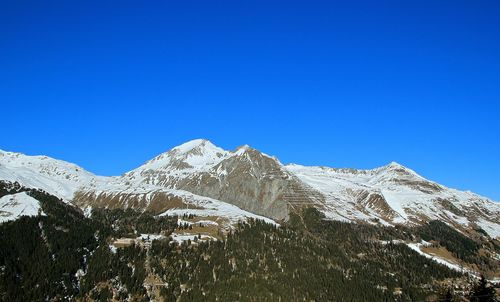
179,238
341,188
112,248
206,222
56,177
392,198
87,212
16,205
150,237
453,266
199,154
493,229
199,222
190,145
213,207
344,189
183,222
205,206
243,150
187,161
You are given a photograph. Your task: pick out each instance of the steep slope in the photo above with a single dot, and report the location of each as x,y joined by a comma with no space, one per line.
395,194
116,194
248,179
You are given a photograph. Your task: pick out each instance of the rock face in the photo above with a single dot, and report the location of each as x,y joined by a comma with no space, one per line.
246,177
250,180
197,174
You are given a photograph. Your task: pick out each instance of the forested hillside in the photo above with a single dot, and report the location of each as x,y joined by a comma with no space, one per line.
63,255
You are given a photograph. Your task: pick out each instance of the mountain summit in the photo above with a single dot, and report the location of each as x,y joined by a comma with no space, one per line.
179,162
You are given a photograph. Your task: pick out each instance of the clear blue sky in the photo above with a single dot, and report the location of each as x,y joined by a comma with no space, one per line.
110,85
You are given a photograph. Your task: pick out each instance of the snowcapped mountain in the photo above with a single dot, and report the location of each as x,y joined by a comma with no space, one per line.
395,194
245,182
180,162
245,177
75,185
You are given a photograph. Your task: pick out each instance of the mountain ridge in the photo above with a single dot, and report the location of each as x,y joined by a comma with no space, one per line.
360,170
260,184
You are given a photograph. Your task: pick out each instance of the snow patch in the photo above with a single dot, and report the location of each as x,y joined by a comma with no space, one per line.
180,238
453,266
16,205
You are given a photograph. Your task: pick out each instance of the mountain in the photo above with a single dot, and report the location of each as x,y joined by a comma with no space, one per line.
199,176
77,186
245,177
394,194
201,223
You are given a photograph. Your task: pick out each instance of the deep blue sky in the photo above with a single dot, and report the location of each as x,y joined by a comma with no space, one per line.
110,85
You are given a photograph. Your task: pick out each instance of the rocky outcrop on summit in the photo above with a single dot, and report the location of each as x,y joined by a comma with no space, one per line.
251,180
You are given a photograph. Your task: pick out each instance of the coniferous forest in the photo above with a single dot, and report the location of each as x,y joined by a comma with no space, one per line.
65,256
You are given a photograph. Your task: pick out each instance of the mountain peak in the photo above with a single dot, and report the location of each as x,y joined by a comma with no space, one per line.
192,144
396,170
242,149
194,155
192,147
395,165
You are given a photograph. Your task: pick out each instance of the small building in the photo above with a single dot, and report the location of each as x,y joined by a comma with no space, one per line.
123,242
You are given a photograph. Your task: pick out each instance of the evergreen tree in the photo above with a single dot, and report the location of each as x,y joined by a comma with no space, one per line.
482,292
448,297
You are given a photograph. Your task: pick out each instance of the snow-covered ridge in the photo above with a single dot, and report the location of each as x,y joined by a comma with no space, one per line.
64,179
389,194
199,154
396,194
16,205
195,156
57,177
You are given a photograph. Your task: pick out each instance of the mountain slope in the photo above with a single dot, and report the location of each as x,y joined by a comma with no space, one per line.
395,194
56,177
